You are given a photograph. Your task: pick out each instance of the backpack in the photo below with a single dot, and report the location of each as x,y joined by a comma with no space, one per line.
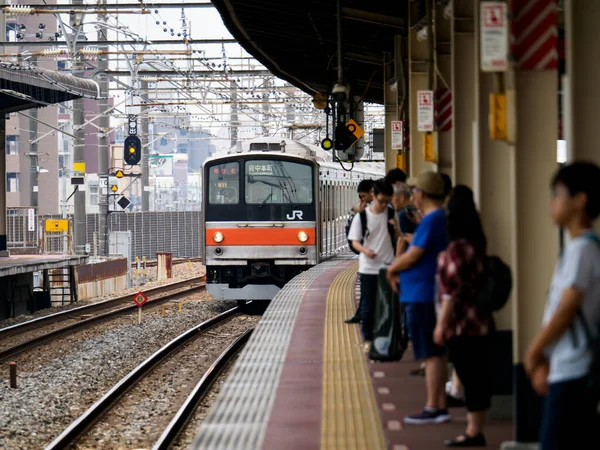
363,223
593,342
390,331
495,286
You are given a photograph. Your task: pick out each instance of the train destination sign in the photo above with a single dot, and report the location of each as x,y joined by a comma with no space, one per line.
260,169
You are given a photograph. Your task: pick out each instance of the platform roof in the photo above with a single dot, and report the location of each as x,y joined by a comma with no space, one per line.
25,86
297,41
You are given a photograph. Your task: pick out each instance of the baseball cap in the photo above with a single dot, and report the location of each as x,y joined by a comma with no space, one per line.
429,182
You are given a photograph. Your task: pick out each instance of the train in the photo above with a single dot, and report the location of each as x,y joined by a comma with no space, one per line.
273,208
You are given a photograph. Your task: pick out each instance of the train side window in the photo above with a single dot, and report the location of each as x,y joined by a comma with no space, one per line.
224,184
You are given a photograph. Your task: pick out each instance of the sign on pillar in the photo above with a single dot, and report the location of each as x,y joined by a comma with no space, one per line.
494,37
397,135
425,114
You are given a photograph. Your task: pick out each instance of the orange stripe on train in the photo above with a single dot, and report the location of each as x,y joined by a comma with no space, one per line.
259,236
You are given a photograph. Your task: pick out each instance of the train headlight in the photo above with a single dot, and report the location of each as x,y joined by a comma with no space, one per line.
302,236
218,237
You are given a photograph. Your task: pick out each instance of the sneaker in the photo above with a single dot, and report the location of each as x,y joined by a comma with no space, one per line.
467,441
429,415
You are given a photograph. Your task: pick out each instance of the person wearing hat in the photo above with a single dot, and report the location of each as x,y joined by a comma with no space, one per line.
417,268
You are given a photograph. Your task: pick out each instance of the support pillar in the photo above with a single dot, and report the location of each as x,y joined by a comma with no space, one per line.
443,36
582,89
390,100
463,80
418,80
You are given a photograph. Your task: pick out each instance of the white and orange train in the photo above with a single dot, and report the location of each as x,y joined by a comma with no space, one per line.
270,212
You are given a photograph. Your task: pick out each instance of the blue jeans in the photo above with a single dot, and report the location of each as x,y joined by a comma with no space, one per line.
368,294
570,421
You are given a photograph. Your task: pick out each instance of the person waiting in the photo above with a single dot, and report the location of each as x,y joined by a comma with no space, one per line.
376,247
365,197
466,331
417,269
560,357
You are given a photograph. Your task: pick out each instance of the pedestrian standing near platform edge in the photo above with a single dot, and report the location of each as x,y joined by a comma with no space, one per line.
376,250
460,325
560,357
417,268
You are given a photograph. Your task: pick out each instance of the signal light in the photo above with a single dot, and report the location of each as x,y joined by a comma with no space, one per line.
327,144
133,150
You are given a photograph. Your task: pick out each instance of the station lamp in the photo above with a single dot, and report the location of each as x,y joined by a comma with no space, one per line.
132,151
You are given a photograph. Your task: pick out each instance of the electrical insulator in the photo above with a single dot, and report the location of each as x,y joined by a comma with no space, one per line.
18,10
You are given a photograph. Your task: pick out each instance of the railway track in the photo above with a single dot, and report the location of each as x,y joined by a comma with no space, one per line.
47,328
168,354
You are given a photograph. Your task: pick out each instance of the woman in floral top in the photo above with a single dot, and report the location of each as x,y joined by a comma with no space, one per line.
460,326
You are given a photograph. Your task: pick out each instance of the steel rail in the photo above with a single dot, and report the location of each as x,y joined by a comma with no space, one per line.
89,417
61,316
179,422
45,338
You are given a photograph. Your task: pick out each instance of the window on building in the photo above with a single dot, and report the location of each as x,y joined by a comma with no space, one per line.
12,182
12,29
93,188
12,144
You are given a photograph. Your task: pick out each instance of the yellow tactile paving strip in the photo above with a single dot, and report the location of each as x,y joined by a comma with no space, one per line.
350,418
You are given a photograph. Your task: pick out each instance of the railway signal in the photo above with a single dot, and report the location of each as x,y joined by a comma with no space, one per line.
140,299
132,151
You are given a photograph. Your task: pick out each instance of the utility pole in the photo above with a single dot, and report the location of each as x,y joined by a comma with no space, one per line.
234,113
145,149
33,153
79,229
3,248
103,138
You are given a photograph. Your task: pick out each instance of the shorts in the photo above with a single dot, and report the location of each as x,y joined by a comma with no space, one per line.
421,319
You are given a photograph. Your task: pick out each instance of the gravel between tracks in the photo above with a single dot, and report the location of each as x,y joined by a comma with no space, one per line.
180,272
60,383
186,438
138,420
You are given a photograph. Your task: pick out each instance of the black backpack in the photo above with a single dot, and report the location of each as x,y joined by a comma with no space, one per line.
363,222
494,287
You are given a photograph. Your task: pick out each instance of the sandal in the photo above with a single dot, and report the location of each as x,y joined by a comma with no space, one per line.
466,441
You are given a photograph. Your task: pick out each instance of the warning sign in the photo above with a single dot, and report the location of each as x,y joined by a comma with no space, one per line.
425,111
119,174
56,226
397,135
140,299
494,37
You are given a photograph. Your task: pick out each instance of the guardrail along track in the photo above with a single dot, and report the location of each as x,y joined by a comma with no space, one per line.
185,413
80,315
72,433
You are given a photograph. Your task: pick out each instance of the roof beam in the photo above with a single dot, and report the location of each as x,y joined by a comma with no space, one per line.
374,18
51,44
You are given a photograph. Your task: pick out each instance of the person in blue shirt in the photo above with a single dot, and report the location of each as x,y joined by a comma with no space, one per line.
417,269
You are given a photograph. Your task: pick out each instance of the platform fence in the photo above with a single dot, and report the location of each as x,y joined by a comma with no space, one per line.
177,232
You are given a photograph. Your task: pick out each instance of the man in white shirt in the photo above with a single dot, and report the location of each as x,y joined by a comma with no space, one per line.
376,247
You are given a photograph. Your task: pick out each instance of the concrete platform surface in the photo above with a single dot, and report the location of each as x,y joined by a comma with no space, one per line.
18,264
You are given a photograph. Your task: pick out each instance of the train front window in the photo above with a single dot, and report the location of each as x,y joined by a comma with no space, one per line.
224,184
278,182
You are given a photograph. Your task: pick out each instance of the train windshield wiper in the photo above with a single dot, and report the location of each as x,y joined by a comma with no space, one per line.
266,199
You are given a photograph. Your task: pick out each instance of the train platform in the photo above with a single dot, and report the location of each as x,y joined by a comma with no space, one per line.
304,382
20,264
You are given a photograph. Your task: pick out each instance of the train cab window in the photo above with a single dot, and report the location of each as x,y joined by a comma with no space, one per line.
278,182
224,184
